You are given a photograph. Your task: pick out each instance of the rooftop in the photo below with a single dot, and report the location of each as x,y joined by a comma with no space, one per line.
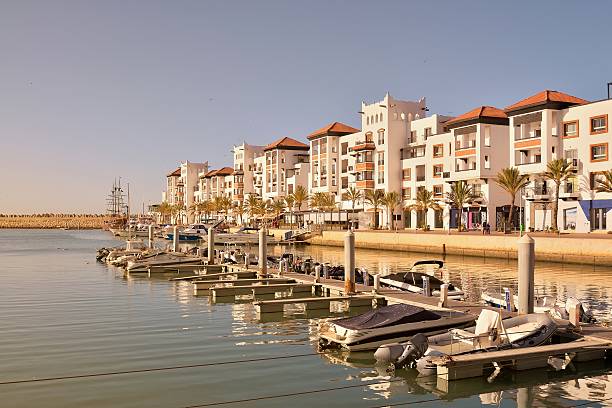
333,129
482,114
174,173
287,143
544,98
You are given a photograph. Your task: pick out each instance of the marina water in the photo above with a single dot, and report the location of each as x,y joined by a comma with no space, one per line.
63,314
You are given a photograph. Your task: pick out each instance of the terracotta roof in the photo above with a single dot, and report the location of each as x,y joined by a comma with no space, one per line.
335,128
176,172
480,112
287,143
224,171
545,97
208,174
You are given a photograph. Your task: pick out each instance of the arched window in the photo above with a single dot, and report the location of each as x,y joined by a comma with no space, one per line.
371,118
367,120
381,117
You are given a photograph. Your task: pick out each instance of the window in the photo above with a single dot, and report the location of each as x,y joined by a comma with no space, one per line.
438,190
367,120
406,174
368,137
599,124
344,148
413,136
487,136
406,193
570,129
599,152
427,132
594,178
487,163
381,177
438,169
381,117
381,136
381,158
438,150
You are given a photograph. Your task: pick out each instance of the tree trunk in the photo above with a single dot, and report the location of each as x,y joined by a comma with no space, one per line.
556,207
510,219
375,217
460,220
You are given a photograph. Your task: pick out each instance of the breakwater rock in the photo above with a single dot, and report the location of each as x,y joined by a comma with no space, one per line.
71,221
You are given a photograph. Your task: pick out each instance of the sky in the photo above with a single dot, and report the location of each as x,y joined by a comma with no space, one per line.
95,90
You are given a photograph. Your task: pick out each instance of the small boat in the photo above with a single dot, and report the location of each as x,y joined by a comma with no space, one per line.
193,232
542,304
398,323
412,281
491,333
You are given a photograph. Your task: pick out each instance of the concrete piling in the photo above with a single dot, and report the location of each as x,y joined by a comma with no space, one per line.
526,267
349,262
317,270
211,246
426,287
151,235
443,295
247,260
263,261
175,239
509,296
325,271
376,283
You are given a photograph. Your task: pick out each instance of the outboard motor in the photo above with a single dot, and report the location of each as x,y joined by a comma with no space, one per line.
402,355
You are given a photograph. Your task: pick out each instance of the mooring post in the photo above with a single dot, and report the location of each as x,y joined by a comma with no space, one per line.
263,261
151,235
376,283
211,246
247,260
443,295
175,239
366,276
349,263
509,296
317,270
325,271
426,287
526,266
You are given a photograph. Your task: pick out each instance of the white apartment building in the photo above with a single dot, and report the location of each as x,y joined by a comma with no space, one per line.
284,159
551,125
216,183
244,176
182,185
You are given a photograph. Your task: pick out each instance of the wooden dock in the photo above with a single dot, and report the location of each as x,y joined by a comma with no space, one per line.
225,292
204,285
312,303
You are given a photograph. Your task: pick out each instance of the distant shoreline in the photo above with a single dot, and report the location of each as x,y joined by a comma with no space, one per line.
52,221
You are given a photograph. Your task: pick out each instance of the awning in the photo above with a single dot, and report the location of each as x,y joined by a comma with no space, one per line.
586,206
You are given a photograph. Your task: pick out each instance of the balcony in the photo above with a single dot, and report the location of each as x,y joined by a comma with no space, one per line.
365,166
420,178
569,191
359,146
365,184
469,144
534,134
536,160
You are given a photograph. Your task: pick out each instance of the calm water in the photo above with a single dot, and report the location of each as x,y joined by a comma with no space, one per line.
61,313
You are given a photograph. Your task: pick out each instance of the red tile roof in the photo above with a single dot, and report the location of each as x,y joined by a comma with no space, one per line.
333,128
480,112
288,144
209,174
176,172
224,171
544,97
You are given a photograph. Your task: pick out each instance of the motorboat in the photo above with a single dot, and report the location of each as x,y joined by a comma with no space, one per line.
542,304
193,232
413,280
491,333
386,324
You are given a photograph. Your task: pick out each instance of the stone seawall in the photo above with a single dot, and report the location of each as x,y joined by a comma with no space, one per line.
52,222
595,251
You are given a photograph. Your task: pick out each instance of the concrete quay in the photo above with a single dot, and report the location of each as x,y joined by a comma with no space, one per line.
591,249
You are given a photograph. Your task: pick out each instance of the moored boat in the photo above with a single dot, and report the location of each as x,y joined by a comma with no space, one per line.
413,280
398,323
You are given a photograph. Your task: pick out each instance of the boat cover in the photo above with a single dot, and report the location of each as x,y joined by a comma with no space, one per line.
387,316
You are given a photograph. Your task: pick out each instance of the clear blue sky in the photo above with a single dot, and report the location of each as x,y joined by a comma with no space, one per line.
93,90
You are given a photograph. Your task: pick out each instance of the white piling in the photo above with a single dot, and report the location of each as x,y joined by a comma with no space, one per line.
443,295
574,313
526,266
376,283
211,246
263,261
247,260
317,273
151,235
426,287
175,239
325,272
349,262
509,296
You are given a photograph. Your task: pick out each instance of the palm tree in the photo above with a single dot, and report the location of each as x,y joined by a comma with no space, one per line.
353,195
218,205
254,204
461,194
300,196
317,202
424,200
278,207
225,204
194,209
391,201
558,171
375,199
605,185
512,181
207,208
329,203
164,209
240,210
290,202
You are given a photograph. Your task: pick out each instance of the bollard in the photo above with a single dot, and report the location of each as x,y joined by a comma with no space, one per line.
317,273
247,260
263,261
349,263
509,299
426,288
221,256
175,239
325,271
443,295
151,235
366,276
211,246
526,265
376,283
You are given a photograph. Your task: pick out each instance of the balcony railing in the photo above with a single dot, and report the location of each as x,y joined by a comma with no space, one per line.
532,135
462,146
536,161
420,178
